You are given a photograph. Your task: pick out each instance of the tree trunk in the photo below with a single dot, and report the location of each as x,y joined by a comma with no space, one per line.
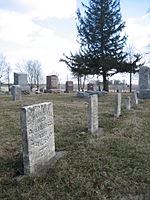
83,83
78,83
130,81
105,82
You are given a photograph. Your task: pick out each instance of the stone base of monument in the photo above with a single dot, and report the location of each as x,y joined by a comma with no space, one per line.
44,168
99,132
144,94
56,91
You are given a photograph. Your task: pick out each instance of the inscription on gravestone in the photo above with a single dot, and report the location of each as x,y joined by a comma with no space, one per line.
37,136
93,114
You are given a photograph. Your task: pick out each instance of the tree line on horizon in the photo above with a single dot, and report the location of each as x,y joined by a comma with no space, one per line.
102,44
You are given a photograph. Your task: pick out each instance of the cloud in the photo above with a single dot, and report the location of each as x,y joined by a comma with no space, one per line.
138,31
22,38
48,8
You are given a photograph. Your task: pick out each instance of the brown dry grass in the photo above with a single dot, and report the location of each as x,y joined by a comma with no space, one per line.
115,165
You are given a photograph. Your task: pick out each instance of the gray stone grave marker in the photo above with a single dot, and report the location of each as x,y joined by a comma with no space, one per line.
93,114
117,111
16,92
37,137
128,103
134,97
21,79
93,127
144,83
51,82
69,86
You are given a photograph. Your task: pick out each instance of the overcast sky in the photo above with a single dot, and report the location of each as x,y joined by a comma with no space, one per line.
45,29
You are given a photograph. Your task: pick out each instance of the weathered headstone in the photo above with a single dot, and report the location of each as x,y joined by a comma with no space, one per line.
117,111
93,114
21,79
144,83
37,137
16,92
134,97
51,82
69,86
128,103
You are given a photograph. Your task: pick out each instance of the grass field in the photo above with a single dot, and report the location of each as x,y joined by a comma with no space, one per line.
113,166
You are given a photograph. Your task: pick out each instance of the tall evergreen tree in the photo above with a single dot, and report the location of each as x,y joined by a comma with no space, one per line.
99,32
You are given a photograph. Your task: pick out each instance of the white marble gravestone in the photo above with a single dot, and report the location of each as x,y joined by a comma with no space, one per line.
93,114
117,111
134,97
128,103
37,136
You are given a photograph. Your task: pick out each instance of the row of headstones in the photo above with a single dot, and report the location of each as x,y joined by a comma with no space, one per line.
38,131
117,109
38,140
93,126
20,79
51,83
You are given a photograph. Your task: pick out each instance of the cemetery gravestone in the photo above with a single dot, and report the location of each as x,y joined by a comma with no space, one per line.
144,83
128,103
21,79
37,137
51,82
134,96
16,92
93,114
117,111
69,86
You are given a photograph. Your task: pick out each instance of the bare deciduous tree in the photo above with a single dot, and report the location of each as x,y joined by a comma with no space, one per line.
33,69
4,70
132,59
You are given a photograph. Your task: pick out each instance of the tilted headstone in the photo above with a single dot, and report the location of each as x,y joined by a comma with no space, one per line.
128,103
144,83
117,111
93,114
37,137
134,97
69,86
16,92
51,82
